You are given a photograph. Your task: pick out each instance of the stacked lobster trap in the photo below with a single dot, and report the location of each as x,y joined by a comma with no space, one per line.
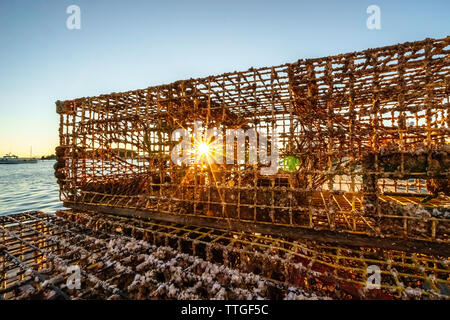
358,144
130,258
362,141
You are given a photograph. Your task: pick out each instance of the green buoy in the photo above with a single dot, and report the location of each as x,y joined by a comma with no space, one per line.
290,164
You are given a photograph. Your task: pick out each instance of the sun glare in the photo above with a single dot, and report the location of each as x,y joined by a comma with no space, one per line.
203,152
203,148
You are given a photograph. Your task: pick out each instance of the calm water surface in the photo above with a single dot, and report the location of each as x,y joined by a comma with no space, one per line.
30,186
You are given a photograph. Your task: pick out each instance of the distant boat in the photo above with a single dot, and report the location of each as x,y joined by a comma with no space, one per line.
13,159
9,159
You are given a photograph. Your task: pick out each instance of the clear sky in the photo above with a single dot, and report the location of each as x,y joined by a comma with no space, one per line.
125,45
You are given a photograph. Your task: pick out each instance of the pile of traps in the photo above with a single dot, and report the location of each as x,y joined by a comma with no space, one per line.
126,258
343,143
38,249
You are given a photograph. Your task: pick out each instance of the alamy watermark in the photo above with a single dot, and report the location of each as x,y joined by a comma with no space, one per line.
373,22
374,279
73,21
210,146
74,280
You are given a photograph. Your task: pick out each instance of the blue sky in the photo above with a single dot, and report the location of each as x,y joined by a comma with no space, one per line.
124,45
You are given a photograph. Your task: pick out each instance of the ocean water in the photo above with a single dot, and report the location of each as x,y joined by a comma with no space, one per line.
31,186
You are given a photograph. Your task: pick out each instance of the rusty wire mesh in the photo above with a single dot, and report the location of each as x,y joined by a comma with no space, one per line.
124,258
369,130
39,248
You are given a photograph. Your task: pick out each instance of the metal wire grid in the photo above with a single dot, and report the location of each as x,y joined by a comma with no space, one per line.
39,247
369,128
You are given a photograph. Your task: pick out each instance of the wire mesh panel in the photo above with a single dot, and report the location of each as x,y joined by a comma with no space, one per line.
40,252
124,258
355,143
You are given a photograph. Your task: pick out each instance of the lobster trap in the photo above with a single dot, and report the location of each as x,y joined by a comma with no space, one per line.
359,143
40,252
127,258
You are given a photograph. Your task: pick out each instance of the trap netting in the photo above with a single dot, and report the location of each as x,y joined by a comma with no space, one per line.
356,143
126,258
